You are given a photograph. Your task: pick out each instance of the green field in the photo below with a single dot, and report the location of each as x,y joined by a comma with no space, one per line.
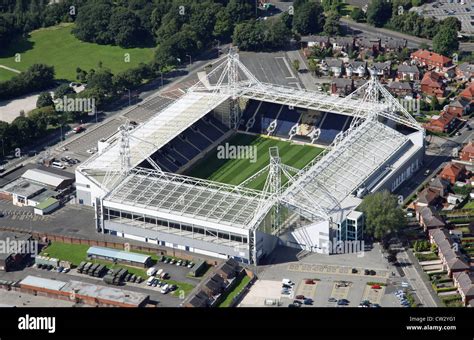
76,253
56,46
235,171
6,74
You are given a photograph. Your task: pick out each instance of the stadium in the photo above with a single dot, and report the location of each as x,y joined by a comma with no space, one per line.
235,167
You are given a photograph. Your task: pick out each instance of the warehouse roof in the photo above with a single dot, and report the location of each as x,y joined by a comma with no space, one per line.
105,293
118,254
39,282
44,177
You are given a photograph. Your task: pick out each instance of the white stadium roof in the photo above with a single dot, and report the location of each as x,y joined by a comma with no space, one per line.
158,131
329,180
188,197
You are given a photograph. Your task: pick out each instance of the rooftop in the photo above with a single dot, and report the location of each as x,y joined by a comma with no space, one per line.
40,282
118,254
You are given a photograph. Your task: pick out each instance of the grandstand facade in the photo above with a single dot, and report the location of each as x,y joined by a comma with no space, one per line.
137,186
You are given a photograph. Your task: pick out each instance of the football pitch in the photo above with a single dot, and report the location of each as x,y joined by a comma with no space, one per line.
234,169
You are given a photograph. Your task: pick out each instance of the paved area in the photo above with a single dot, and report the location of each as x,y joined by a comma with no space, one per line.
10,109
335,270
262,290
274,68
373,295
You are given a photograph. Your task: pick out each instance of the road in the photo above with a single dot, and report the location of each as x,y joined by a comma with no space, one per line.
439,151
415,280
412,41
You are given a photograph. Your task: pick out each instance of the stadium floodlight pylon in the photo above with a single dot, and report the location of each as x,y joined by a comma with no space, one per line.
113,177
235,80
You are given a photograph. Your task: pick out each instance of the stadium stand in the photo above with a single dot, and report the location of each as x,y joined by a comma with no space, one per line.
286,120
330,125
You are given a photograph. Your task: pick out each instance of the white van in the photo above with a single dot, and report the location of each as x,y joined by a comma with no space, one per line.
58,165
287,282
150,280
159,272
151,271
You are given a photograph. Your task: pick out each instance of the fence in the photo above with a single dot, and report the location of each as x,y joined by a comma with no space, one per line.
159,250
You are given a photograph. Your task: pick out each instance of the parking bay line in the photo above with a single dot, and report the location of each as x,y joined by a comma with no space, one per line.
333,270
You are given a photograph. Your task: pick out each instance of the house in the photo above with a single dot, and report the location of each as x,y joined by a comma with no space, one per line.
465,71
408,72
451,258
214,285
229,269
445,122
198,300
356,68
460,107
332,66
453,172
432,84
467,152
370,45
342,86
394,45
344,44
428,197
464,281
440,185
454,199
431,60
400,88
316,40
429,218
382,70
468,92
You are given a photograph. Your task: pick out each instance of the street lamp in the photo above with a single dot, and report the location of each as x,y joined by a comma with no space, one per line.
190,59
218,47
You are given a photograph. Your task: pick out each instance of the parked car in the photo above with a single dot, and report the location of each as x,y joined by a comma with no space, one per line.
308,302
331,299
164,289
310,282
297,302
149,281
354,271
299,297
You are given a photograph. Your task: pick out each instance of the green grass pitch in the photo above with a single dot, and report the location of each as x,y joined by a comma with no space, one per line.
235,171
56,46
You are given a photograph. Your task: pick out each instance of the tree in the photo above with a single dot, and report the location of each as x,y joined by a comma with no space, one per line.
378,12
248,36
331,26
287,19
313,66
446,42
296,65
383,216
63,90
223,27
126,27
358,15
308,18
44,99
92,23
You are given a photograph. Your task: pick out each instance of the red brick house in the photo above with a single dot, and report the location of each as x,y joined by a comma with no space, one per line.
468,92
442,123
467,153
453,172
460,107
432,84
431,60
